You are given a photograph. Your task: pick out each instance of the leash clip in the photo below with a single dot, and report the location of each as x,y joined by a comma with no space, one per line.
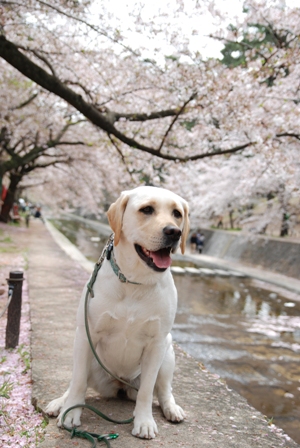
109,249
112,435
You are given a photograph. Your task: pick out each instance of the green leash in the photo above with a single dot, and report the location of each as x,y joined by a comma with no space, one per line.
93,437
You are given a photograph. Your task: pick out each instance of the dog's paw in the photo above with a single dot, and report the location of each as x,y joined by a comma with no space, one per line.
174,413
145,428
54,407
72,418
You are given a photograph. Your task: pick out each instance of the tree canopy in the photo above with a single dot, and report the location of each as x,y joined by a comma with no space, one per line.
220,130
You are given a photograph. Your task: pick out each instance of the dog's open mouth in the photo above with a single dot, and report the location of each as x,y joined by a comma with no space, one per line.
159,260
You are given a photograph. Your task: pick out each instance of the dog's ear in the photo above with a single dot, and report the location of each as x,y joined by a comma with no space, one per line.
115,215
186,227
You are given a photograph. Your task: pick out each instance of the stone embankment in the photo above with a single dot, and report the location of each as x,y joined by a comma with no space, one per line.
281,255
273,260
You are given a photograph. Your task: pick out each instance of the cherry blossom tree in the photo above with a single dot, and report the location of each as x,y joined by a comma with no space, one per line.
34,134
222,135
118,93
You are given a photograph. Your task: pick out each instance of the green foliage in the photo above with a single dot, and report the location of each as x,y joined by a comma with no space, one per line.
269,420
5,389
25,356
24,84
8,250
149,61
172,57
44,423
6,244
189,124
6,239
259,41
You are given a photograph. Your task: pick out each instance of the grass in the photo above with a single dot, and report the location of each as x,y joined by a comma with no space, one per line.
6,239
25,356
6,244
6,250
269,420
5,389
26,261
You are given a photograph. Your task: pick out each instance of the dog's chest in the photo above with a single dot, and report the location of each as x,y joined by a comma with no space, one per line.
127,323
123,335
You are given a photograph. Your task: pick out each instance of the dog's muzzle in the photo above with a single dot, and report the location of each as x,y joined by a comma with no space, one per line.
160,260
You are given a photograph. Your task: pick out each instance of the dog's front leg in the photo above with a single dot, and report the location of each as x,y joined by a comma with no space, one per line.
163,387
81,364
144,423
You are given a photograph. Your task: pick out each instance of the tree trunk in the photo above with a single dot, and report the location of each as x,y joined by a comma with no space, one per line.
10,197
231,219
284,231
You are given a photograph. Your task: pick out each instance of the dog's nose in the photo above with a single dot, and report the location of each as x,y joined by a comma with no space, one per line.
172,232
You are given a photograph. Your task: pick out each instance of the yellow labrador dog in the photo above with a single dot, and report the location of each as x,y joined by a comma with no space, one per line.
132,311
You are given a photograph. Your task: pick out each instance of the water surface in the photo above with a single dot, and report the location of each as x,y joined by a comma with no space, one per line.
248,332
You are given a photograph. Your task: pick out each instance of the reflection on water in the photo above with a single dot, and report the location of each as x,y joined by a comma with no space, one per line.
246,331
87,240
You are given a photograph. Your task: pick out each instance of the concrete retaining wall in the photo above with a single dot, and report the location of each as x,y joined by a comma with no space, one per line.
274,254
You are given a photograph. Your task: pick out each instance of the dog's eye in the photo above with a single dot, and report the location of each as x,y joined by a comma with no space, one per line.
177,214
147,210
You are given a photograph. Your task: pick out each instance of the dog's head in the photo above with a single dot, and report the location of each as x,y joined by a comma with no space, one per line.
154,221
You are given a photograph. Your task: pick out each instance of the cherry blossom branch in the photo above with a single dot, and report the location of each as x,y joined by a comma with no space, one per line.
10,52
42,58
279,41
128,92
18,161
118,149
121,154
294,100
25,103
60,143
180,111
62,132
143,116
242,44
93,27
86,91
35,166
26,186
289,134
220,152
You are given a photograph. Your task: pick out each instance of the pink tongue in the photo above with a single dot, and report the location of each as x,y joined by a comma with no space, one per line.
161,258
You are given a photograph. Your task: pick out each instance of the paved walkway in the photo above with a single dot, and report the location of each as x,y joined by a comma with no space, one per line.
216,417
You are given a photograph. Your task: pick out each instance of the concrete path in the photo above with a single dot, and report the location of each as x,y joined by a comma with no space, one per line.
216,416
